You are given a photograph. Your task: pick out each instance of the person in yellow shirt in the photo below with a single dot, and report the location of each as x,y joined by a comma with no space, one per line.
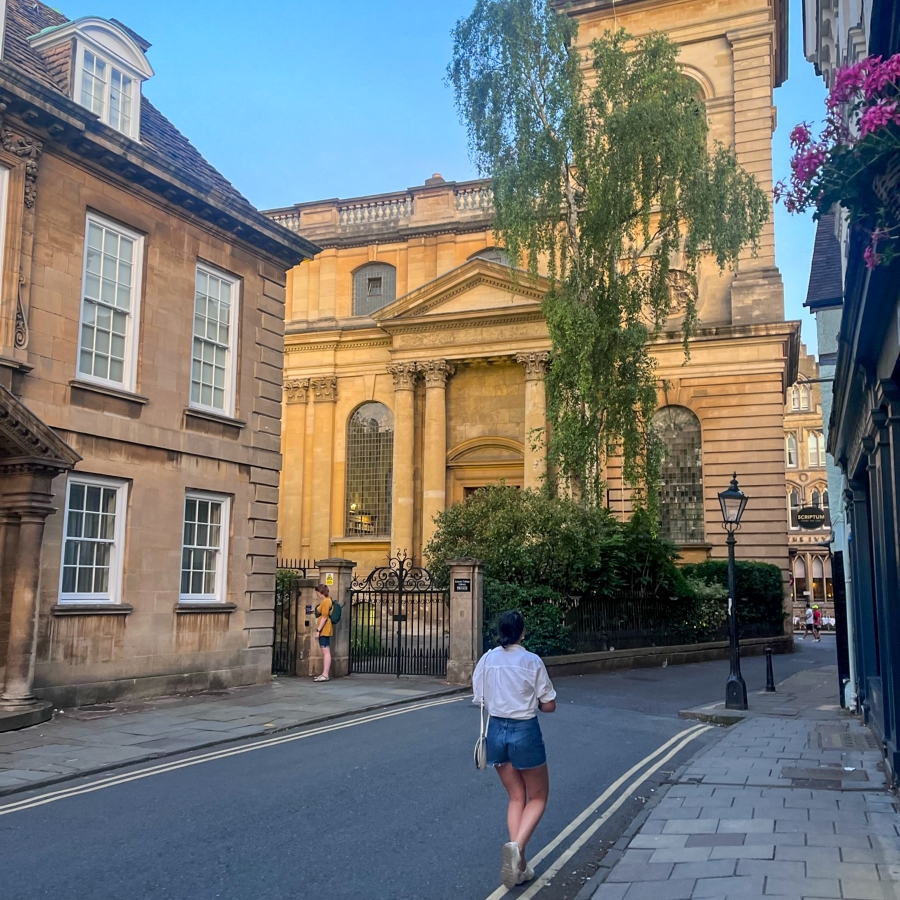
324,629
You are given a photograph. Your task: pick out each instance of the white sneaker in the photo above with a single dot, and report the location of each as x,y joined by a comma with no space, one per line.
525,875
509,871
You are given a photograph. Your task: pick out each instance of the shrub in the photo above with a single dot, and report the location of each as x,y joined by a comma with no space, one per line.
365,638
546,631
759,587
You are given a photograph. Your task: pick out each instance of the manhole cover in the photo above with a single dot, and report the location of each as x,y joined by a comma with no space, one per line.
846,740
835,774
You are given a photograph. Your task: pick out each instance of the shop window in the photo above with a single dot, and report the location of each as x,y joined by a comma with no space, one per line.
800,580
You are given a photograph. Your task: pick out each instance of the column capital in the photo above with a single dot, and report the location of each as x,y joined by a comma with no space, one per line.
325,389
535,364
404,375
436,372
296,390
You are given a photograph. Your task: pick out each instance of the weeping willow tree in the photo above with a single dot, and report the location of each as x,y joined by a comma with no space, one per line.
603,173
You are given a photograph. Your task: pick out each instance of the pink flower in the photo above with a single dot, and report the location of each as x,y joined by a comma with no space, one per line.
881,76
879,235
872,258
878,116
800,135
850,79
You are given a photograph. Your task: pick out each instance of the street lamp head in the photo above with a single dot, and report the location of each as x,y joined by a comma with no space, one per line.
733,502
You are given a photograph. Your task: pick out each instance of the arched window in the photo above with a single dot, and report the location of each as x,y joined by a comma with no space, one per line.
804,396
818,579
816,444
799,579
681,496
827,509
793,507
374,286
795,399
816,498
791,451
370,467
493,254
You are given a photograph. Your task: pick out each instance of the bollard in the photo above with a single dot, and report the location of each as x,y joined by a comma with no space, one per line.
770,675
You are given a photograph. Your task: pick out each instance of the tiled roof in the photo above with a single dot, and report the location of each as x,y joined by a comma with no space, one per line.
825,277
25,18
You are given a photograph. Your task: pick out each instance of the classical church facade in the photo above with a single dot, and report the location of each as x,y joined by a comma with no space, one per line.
415,356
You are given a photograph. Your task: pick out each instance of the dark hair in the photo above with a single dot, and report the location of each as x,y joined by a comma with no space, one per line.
510,627
322,589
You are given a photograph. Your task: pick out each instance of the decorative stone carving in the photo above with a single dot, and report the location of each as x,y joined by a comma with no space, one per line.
404,375
535,364
27,148
296,390
682,291
324,389
21,334
436,372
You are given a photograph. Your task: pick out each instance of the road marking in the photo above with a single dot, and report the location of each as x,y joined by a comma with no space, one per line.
682,739
124,778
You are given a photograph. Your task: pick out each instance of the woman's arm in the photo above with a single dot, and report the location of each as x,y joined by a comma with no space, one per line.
548,707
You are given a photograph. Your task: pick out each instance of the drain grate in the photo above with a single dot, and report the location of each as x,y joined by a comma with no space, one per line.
847,740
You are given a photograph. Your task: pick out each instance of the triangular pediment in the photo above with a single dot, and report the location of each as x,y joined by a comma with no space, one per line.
477,286
24,436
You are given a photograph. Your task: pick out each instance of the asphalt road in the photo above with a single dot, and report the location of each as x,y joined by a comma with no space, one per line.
388,809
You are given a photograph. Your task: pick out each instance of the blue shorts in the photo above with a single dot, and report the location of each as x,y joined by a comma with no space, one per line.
516,741
324,641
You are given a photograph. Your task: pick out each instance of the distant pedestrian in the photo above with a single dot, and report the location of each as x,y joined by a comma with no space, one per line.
514,685
817,622
324,629
809,622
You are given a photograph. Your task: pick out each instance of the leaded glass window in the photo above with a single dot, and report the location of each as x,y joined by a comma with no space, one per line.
370,471
374,286
681,494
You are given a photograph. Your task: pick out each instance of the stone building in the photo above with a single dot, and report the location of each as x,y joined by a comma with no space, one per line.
807,486
141,321
409,330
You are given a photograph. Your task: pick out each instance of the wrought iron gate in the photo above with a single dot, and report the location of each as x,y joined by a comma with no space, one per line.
399,622
284,644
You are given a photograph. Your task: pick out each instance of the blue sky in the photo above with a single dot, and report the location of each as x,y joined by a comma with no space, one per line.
297,100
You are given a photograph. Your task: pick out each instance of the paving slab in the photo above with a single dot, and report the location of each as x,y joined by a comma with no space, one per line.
790,802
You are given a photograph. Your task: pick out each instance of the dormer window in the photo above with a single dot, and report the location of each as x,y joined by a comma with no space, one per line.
106,70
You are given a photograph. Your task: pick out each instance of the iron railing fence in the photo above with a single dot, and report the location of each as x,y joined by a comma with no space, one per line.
303,568
284,639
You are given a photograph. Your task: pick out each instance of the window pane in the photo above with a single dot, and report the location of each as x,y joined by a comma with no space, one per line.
202,547
681,495
370,455
89,540
212,336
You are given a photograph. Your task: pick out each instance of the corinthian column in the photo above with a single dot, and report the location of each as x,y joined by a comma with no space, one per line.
535,365
434,469
403,505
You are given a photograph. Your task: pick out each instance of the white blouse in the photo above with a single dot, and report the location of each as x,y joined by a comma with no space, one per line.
512,682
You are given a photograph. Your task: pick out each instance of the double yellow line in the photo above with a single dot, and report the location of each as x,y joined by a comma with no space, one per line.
674,746
125,777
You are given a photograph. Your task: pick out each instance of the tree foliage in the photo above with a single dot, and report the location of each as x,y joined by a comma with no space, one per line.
609,181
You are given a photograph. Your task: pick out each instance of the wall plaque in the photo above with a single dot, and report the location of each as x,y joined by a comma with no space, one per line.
462,585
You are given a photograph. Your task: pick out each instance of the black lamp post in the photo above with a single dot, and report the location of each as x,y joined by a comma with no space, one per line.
733,503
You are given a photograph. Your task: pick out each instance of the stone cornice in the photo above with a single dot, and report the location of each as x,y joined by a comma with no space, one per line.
24,435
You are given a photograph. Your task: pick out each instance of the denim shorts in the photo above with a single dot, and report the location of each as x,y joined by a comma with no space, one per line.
324,641
516,741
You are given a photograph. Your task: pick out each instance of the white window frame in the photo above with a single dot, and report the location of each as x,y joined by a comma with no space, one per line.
787,451
113,595
111,63
133,330
221,592
231,353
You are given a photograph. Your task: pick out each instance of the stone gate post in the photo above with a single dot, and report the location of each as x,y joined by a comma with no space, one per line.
341,574
466,616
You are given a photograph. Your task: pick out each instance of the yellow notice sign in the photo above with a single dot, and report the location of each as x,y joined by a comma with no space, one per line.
329,578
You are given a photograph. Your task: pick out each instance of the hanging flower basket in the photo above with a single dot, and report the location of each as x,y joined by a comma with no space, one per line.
855,161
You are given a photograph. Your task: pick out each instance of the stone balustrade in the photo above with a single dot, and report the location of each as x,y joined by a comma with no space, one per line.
377,211
476,199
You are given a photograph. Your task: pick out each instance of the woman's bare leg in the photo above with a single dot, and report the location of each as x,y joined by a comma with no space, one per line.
326,662
537,790
515,786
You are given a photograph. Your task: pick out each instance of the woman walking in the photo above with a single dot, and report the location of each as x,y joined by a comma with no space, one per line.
324,629
514,685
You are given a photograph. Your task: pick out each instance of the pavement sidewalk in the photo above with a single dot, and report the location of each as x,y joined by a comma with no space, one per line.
97,738
791,802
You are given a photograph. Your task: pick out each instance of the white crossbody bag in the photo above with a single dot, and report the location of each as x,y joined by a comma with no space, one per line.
481,743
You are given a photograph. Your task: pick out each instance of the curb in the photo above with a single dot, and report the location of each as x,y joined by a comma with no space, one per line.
615,853
263,732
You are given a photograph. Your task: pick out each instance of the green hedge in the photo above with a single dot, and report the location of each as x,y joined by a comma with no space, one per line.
759,587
